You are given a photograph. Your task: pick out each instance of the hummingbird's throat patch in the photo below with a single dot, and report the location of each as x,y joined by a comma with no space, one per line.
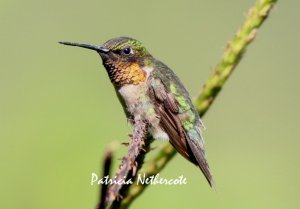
125,74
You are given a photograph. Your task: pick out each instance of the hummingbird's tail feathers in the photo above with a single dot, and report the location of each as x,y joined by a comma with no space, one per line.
196,147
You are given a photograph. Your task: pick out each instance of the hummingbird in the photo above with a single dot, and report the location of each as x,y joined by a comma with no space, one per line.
149,90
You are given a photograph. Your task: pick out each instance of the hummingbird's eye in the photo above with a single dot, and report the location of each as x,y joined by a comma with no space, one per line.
127,51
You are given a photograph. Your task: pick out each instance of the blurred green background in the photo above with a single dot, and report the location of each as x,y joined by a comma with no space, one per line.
58,110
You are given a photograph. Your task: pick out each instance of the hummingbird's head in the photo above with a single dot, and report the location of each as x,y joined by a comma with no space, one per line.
124,49
123,58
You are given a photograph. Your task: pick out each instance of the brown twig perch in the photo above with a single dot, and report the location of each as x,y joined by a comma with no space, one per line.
137,148
107,166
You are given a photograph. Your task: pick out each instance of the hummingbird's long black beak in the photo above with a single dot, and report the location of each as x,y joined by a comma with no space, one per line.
100,49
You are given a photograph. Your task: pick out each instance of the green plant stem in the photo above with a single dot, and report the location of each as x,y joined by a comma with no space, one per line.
233,54
231,57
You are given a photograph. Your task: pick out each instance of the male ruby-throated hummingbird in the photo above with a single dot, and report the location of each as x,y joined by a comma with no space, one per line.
149,90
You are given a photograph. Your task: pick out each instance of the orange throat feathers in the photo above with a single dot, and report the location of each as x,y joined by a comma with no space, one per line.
121,74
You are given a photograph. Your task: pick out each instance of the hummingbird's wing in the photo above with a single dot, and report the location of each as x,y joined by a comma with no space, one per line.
178,117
